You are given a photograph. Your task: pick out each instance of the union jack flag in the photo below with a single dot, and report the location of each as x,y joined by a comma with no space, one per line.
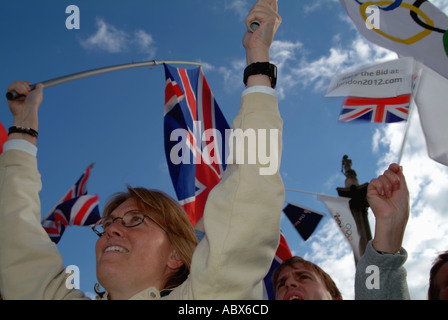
3,137
378,110
194,132
191,107
75,208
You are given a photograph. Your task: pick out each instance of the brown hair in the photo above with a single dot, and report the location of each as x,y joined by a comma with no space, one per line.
434,290
328,281
169,214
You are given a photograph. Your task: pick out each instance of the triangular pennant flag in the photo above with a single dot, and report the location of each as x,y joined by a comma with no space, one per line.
303,219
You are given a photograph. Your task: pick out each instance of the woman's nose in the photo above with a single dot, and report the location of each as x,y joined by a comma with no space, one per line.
116,229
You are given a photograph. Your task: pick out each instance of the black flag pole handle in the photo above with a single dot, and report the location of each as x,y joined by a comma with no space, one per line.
13,95
254,25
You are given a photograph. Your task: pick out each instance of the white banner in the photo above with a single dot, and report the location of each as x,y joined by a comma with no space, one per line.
340,209
431,99
384,80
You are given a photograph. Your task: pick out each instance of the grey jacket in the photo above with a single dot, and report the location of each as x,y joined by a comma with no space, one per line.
381,276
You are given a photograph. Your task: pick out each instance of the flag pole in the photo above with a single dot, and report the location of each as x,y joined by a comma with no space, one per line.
405,136
301,191
13,95
412,106
315,193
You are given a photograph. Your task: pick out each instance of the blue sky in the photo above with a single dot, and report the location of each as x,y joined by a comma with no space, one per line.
116,119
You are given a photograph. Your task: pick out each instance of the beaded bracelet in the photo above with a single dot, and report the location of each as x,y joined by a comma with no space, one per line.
18,129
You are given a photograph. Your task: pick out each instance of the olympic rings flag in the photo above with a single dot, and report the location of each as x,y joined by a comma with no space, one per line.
342,214
414,28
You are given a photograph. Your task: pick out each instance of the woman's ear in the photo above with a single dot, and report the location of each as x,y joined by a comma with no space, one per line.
174,261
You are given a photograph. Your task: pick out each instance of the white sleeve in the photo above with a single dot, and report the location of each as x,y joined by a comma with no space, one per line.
22,145
260,89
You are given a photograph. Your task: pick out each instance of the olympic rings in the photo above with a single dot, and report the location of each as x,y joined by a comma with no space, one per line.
414,16
445,42
347,230
390,7
419,36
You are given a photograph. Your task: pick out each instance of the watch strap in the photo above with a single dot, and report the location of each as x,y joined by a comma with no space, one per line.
264,68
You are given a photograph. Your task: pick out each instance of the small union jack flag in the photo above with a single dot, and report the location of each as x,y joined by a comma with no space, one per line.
378,110
75,208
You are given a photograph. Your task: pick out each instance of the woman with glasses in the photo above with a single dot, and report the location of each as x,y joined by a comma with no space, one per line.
138,225
146,244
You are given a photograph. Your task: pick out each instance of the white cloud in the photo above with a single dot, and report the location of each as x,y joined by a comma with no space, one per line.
318,72
112,40
145,42
240,7
294,68
107,38
233,74
316,4
282,52
207,66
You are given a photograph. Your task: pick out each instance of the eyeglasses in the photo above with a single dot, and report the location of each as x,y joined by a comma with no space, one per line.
130,219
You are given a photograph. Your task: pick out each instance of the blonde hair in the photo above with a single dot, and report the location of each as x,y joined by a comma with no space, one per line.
169,214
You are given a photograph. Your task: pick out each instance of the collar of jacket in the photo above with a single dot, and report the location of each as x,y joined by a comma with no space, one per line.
150,293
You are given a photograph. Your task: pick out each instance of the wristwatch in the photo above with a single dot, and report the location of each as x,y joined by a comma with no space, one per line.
265,68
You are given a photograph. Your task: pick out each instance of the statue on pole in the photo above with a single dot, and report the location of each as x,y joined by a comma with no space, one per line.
350,174
358,203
